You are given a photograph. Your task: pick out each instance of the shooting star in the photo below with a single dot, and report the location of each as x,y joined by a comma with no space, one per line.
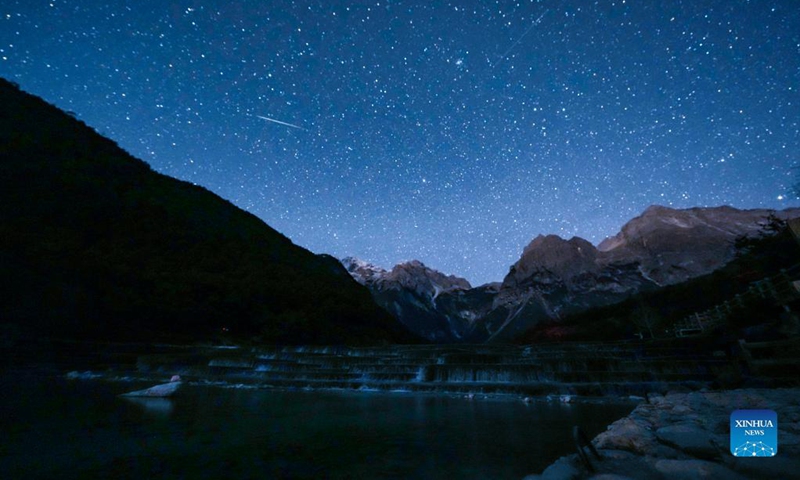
504,55
279,122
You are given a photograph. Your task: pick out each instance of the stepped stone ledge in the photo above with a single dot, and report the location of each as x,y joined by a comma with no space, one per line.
584,370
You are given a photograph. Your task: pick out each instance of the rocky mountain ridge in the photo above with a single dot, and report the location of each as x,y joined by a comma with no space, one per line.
411,292
674,245
412,275
555,277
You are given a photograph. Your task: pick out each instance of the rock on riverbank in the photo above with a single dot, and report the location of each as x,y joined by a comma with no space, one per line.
686,436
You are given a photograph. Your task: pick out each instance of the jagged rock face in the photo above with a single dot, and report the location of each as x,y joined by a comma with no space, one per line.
363,272
555,277
662,246
417,277
413,275
430,303
673,245
551,258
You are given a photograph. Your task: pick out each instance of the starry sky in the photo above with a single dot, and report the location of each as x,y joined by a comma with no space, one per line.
449,132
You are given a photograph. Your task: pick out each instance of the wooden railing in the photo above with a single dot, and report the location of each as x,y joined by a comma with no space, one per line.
779,289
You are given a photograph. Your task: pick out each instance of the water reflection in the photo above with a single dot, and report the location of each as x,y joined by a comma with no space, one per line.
156,407
210,432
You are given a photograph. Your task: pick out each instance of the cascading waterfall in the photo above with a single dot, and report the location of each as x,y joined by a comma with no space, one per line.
531,370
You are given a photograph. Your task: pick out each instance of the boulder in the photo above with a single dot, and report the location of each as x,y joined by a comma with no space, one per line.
695,470
691,439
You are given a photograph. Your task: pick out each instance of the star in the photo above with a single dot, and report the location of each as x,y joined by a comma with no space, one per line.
565,119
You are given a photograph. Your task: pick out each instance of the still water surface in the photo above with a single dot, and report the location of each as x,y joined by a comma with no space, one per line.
59,428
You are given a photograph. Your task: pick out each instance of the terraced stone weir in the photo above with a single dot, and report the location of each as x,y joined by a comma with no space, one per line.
576,369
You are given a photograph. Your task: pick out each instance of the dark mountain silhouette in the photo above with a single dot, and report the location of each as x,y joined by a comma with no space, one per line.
96,245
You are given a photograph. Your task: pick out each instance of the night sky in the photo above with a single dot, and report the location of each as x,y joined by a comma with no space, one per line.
449,132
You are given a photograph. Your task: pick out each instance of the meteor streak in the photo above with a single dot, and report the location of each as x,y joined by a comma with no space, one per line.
279,122
505,54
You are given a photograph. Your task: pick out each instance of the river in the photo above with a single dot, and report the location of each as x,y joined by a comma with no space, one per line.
57,427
